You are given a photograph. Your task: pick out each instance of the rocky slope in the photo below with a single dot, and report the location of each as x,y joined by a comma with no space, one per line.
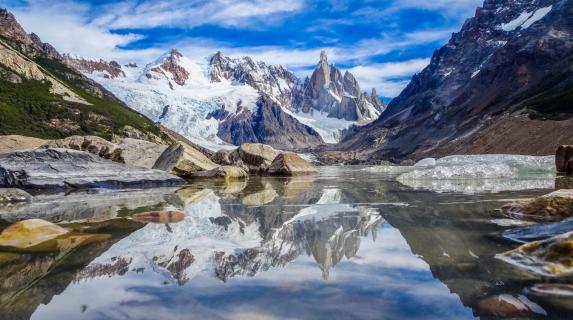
503,84
41,96
223,100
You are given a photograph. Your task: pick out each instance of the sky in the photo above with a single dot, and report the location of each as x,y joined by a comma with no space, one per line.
382,42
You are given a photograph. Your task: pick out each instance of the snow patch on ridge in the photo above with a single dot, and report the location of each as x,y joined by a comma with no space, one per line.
526,19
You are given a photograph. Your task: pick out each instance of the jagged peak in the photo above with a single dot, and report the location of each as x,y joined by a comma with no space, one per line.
323,56
175,53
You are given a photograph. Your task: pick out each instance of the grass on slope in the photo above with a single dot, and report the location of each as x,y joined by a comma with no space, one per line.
28,108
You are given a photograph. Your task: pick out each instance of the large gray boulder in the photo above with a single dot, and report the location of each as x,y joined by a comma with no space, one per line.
183,160
65,168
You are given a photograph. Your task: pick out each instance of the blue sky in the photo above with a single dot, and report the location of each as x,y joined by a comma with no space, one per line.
382,42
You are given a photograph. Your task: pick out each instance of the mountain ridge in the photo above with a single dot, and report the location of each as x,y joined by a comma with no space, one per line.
504,59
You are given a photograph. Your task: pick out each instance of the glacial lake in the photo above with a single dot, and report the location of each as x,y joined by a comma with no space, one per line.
347,243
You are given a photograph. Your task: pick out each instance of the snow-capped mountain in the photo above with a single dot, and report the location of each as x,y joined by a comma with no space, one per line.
503,84
221,101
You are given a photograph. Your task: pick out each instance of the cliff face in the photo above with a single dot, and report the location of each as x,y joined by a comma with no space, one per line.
500,85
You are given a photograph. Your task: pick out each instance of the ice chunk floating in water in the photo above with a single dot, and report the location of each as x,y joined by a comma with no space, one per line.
481,173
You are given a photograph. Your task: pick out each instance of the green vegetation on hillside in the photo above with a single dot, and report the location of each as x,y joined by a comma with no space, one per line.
28,108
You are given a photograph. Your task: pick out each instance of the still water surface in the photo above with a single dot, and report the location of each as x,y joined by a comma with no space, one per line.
344,244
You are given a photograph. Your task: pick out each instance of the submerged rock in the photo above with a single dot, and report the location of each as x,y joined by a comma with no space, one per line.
14,195
91,144
14,142
557,205
183,160
28,233
260,198
508,306
538,231
290,164
159,217
552,257
557,295
64,168
225,172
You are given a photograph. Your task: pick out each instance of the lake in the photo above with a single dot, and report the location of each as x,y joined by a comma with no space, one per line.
347,243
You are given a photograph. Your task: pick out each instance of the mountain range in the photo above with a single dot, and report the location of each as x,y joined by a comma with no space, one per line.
502,84
219,100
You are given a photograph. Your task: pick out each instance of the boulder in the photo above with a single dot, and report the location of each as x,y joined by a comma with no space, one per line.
552,257
224,157
14,142
564,159
28,233
507,306
140,153
183,160
258,157
65,169
556,295
161,217
226,172
91,144
14,195
555,205
290,164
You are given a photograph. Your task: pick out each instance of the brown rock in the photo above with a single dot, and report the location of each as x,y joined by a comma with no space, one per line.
91,144
14,142
28,233
290,164
563,156
161,217
183,160
257,156
552,257
505,306
557,204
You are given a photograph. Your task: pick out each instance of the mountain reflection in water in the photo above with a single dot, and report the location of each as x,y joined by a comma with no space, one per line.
347,243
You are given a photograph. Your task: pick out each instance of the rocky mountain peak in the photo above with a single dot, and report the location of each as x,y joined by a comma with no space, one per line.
109,70
337,95
171,68
11,29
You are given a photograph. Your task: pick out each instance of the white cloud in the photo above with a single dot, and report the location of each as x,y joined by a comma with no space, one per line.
191,13
61,24
382,76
